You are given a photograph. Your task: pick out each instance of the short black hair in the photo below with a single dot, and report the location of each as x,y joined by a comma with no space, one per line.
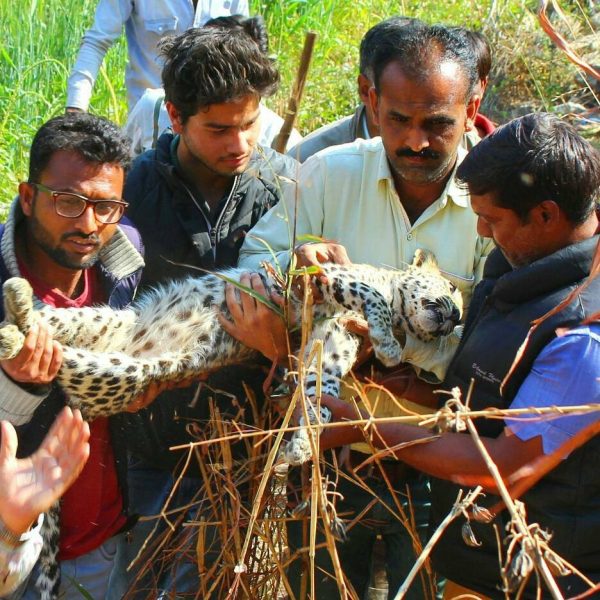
212,65
423,48
482,50
378,35
254,26
535,158
96,139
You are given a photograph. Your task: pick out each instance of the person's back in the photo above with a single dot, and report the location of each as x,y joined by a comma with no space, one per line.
146,22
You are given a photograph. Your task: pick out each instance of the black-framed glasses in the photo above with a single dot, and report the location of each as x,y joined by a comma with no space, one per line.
72,206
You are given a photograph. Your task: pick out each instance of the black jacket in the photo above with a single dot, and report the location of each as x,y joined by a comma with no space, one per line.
567,500
179,237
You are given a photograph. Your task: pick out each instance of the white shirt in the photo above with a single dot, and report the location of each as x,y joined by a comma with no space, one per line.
146,23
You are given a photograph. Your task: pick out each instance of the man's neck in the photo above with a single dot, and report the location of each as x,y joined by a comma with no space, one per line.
211,185
417,198
67,281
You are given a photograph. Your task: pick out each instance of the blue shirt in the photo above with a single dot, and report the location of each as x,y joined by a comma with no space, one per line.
565,373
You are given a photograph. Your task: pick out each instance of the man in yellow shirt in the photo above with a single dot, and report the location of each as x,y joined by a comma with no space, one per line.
381,200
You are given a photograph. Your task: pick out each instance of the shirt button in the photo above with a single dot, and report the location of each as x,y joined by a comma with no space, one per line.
409,237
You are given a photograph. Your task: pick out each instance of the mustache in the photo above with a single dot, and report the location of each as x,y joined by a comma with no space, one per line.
77,235
425,153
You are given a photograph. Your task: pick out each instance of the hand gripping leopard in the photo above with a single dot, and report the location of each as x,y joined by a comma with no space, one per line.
172,333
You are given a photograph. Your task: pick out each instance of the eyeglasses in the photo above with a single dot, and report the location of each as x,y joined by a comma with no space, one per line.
72,206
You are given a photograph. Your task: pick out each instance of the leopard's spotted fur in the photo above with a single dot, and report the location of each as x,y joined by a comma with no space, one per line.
171,333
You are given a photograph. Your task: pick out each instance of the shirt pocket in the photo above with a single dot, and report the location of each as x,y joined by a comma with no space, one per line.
161,26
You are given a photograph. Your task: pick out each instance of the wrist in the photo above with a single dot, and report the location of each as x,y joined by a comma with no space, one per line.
10,536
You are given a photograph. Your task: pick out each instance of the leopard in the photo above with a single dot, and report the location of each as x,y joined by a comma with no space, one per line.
172,333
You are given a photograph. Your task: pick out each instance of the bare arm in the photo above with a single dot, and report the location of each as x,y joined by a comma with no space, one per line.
451,456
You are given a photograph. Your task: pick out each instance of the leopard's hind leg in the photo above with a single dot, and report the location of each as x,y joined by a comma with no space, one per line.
340,349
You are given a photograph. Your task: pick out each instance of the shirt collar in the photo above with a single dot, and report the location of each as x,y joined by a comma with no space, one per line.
458,194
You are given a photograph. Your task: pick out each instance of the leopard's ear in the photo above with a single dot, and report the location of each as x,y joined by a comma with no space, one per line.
425,259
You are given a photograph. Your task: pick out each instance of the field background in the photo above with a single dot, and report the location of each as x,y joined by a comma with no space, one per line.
40,39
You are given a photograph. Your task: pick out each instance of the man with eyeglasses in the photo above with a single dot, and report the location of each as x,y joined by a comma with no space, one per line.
62,235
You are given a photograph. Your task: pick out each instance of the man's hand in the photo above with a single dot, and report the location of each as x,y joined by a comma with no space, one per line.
308,255
359,326
39,359
313,255
253,323
31,485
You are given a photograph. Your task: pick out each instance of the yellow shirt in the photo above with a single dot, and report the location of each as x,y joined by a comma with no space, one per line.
346,193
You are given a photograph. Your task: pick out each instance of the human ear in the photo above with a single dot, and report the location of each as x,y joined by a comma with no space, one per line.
472,108
26,197
364,85
374,103
549,212
175,117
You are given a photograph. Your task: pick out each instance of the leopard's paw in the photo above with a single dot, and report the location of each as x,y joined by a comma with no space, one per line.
18,302
297,450
388,352
11,341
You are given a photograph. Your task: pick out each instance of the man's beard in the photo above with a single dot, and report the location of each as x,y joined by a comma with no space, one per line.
61,257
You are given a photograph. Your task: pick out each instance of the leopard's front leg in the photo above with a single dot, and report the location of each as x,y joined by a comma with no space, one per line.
364,299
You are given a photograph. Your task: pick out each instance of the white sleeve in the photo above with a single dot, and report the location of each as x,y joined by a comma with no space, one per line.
270,240
110,17
17,563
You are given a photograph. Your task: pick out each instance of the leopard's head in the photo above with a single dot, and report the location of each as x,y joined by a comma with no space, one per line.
427,305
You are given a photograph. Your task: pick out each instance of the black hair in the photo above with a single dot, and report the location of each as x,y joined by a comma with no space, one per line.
482,50
212,65
419,49
95,139
535,158
377,35
255,27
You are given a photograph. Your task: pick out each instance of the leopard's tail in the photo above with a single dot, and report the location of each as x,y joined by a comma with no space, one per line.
48,581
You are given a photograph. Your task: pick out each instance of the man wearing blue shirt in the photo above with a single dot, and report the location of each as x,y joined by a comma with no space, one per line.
534,185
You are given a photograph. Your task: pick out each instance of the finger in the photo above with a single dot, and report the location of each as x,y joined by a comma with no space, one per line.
248,303
233,304
339,255
226,324
46,356
8,447
56,361
29,344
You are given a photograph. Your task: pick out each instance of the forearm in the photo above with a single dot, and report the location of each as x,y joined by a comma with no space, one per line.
16,404
451,456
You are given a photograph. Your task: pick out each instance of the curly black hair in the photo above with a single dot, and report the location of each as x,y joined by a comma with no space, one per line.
213,65
96,139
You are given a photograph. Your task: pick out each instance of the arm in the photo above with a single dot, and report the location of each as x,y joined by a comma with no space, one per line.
108,24
451,456
564,372
28,487
24,378
275,229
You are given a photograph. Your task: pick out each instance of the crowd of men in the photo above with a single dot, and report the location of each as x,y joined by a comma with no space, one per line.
511,216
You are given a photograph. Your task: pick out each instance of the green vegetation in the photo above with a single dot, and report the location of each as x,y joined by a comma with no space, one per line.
41,38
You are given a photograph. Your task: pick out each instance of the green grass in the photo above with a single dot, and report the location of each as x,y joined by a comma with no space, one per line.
40,39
